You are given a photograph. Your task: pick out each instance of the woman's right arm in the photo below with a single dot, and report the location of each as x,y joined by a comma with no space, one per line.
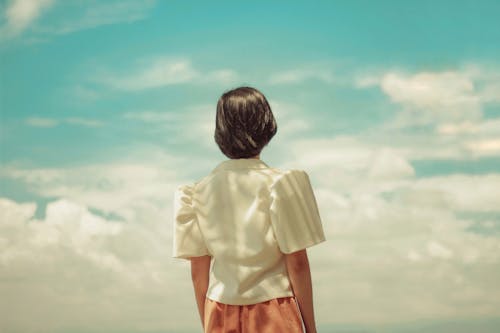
299,273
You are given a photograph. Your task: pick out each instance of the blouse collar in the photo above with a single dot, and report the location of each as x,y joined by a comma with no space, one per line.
241,163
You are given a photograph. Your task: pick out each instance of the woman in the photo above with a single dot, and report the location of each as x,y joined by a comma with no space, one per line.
245,228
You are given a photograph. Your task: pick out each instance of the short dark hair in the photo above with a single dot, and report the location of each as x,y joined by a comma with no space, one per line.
244,123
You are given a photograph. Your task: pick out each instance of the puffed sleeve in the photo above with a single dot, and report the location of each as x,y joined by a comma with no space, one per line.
188,240
294,212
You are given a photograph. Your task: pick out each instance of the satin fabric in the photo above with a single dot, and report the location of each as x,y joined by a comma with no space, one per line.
246,216
277,315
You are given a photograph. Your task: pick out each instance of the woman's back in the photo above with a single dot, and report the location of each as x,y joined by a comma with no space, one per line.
247,215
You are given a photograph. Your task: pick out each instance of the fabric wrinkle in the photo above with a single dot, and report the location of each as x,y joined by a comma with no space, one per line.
277,315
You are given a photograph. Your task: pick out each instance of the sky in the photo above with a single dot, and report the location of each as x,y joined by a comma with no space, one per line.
392,108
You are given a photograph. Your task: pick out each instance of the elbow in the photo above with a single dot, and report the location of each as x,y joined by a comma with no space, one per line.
297,262
199,279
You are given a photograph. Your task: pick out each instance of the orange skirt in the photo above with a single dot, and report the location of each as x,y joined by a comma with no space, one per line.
273,316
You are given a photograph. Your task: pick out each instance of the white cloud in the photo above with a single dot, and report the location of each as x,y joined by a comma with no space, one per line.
164,71
438,250
84,267
387,164
224,76
291,118
375,231
104,242
95,14
487,127
84,121
300,75
472,142
433,96
366,81
487,77
379,219
491,94
465,192
444,97
193,124
84,93
159,73
20,14
113,188
428,89
457,128
52,122
14,213
41,122
153,116
396,222
414,255
366,168
487,147
464,140
133,183
445,107
344,160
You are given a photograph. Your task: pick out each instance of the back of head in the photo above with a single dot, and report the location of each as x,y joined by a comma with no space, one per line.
244,123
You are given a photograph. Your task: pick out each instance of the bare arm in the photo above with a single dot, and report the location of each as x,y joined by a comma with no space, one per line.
300,277
200,269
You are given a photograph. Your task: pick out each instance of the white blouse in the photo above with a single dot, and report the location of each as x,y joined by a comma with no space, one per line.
246,215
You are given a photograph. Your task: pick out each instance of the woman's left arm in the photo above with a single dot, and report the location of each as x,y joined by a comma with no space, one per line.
200,270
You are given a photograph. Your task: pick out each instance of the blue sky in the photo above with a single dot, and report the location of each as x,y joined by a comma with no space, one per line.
392,107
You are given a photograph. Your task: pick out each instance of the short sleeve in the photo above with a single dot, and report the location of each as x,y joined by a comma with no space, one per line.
294,212
188,240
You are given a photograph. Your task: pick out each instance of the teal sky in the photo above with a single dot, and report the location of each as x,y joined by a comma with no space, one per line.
392,107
